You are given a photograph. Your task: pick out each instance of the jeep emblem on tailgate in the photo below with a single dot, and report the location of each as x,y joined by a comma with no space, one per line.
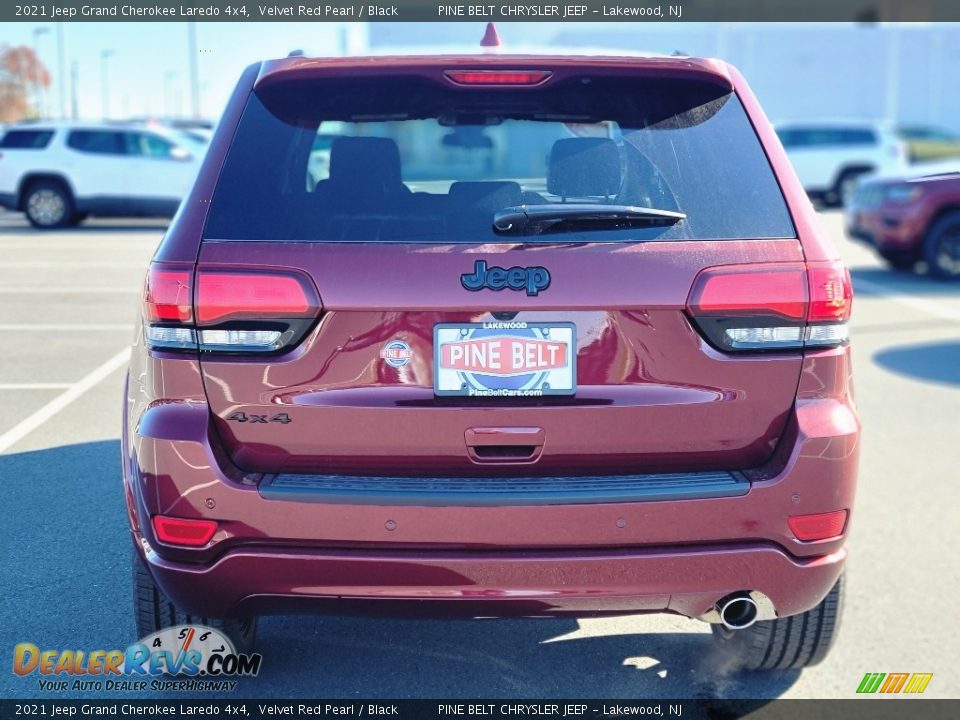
531,279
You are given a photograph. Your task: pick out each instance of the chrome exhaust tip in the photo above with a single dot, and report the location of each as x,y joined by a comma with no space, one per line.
737,611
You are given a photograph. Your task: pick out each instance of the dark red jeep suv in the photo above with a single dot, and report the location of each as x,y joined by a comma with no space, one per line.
910,219
495,336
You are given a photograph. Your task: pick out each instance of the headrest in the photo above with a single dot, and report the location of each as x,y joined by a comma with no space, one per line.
365,161
487,195
584,167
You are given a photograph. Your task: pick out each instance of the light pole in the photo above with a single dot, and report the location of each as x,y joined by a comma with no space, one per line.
74,89
41,96
194,73
105,55
892,95
62,69
168,79
935,80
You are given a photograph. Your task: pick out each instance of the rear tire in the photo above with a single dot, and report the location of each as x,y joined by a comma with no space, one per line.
903,262
153,611
941,247
48,205
789,643
846,183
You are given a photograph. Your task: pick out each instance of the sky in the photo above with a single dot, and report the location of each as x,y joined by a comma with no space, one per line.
908,70
148,72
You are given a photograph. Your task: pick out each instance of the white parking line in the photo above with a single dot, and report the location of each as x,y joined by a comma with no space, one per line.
59,328
38,418
912,301
71,289
34,386
81,244
43,265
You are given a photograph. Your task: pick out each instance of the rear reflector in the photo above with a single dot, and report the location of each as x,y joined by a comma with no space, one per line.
167,295
181,531
497,77
818,527
223,295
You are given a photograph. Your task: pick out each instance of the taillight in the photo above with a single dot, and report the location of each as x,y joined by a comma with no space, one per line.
167,296
238,311
831,300
773,306
497,77
831,292
168,307
743,290
241,295
183,531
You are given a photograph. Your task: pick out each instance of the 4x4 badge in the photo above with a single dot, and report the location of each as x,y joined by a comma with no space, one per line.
532,279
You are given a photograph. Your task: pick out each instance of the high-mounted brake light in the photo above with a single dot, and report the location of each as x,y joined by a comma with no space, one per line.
234,311
183,531
497,77
772,306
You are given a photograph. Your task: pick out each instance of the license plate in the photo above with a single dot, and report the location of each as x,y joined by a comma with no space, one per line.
504,359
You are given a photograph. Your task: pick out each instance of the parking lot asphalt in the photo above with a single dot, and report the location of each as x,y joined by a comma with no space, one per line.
67,303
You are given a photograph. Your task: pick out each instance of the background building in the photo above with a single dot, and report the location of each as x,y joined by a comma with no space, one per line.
908,72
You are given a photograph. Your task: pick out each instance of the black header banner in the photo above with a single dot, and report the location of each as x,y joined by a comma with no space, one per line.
460,709
431,10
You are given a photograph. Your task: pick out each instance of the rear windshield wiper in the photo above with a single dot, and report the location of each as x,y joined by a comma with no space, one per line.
557,216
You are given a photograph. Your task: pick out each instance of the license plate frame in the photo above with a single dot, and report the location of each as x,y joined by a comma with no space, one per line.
510,381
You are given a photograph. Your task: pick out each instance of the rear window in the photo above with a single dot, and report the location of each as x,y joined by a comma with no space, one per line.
823,137
98,142
26,139
411,160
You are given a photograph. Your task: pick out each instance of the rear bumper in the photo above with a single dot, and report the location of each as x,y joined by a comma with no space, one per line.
685,581
8,201
621,556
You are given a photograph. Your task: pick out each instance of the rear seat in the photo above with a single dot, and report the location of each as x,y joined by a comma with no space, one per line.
364,176
471,205
584,167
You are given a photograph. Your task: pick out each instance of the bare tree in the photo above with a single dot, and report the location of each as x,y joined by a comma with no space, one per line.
21,75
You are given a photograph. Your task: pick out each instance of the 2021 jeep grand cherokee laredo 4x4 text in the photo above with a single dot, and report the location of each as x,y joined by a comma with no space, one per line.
554,335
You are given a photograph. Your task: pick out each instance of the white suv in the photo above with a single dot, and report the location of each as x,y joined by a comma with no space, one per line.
829,156
58,173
